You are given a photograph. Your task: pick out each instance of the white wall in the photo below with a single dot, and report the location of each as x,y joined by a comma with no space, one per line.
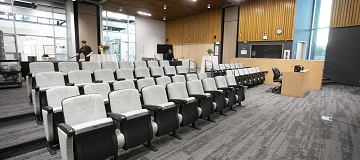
149,33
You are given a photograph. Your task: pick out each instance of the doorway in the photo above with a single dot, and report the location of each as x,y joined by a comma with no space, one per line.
301,50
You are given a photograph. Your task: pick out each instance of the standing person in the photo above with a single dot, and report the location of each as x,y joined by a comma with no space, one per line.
169,55
86,50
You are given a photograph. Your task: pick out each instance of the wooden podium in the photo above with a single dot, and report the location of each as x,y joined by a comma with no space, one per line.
295,83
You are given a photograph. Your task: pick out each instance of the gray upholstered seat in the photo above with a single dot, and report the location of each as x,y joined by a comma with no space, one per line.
232,66
151,64
209,86
240,90
191,77
178,78
157,72
164,63
237,65
109,65
227,66
66,67
222,67
163,80
230,92
170,71
202,76
80,77
88,129
181,70
141,73
126,64
105,75
98,88
90,66
141,83
140,64
127,84
125,73
52,109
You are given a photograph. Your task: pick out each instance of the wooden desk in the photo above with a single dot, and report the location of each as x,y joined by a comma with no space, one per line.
295,83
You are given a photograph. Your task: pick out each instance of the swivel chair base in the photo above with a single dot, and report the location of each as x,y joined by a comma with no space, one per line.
276,89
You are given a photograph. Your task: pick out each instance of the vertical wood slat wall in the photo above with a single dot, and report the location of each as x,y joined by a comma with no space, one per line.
200,28
87,28
266,16
345,13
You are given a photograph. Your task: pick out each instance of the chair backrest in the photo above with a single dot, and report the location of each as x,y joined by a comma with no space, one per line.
123,101
222,66
195,87
142,72
164,63
141,83
154,95
276,73
106,75
90,66
80,77
254,70
209,84
241,65
230,80
202,76
151,64
127,84
216,67
241,72
157,71
181,70
177,90
98,88
257,69
66,67
170,70
84,108
191,77
178,78
163,80
232,66
227,66
49,79
221,82
140,64
126,64
246,71
250,70
109,65
55,95
38,67
126,73
230,72
237,65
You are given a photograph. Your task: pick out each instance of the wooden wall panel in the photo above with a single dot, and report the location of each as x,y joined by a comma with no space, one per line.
192,51
266,16
87,26
345,13
200,28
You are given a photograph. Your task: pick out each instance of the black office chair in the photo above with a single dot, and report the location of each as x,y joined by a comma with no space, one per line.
277,78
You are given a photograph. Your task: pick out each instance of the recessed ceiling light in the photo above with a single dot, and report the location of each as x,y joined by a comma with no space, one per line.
208,5
120,9
143,13
164,18
164,6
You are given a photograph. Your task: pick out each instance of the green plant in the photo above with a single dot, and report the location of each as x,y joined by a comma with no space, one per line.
210,51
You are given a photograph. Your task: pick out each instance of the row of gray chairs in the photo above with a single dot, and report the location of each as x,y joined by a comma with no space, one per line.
248,76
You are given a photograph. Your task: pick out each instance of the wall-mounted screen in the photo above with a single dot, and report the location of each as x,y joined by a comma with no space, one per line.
267,51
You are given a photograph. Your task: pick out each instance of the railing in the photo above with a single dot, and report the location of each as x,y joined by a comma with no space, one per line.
211,69
194,65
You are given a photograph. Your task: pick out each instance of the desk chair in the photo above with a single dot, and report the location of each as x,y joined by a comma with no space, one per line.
276,78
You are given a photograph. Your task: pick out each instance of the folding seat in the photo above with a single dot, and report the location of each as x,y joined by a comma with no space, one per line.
250,77
35,68
237,65
208,68
202,76
109,65
157,72
244,79
105,75
164,63
52,112
99,88
257,75
151,64
222,67
141,73
234,73
263,74
126,64
127,84
87,132
66,67
188,106
232,66
240,89
178,78
125,73
230,92
195,89
219,96
140,64
227,66
181,70
90,66
80,78
191,77
241,65
131,119
163,80
165,114
217,70
170,71
141,83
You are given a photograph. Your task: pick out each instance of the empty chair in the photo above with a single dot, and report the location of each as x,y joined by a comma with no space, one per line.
126,64
164,63
240,89
163,80
217,70
277,78
35,68
170,71
109,65
105,75
151,64
125,73
261,74
140,64
202,76
52,112
157,72
141,83
250,77
80,77
98,88
227,66
222,67
241,65
237,65
88,129
258,75
234,73
165,113
181,70
232,66
208,68
127,84
178,78
244,79
230,92
135,122
141,73
221,101
66,67
191,77
90,66
195,89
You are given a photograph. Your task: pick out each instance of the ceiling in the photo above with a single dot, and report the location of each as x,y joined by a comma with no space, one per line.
175,9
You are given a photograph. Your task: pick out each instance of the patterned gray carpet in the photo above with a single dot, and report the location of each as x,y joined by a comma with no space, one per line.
270,126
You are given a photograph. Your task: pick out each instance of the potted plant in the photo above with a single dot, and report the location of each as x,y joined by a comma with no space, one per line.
104,48
210,52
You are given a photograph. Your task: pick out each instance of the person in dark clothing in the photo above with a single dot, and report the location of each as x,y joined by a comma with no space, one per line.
86,50
169,55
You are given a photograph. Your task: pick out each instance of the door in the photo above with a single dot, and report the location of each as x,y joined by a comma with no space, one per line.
301,50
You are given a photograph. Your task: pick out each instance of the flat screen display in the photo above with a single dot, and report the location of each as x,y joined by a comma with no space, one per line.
266,51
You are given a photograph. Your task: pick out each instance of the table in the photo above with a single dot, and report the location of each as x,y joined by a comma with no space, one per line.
213,59
295,83
103,57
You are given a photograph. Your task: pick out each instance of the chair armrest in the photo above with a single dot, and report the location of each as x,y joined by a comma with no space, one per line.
226,89
120,79
110,83
152,108
48,109
182,74
178,101
117,117
213,92
81,86
156,76
170,75
98,81
236,86
67,129
37,88
30,74
198,96
70,84
140,77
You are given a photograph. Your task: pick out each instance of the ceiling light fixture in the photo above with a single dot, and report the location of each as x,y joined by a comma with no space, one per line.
143,13
164,6
120,9
164,18
208,5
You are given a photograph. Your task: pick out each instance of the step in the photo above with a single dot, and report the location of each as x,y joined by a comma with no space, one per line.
328,82
325,78
15,111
